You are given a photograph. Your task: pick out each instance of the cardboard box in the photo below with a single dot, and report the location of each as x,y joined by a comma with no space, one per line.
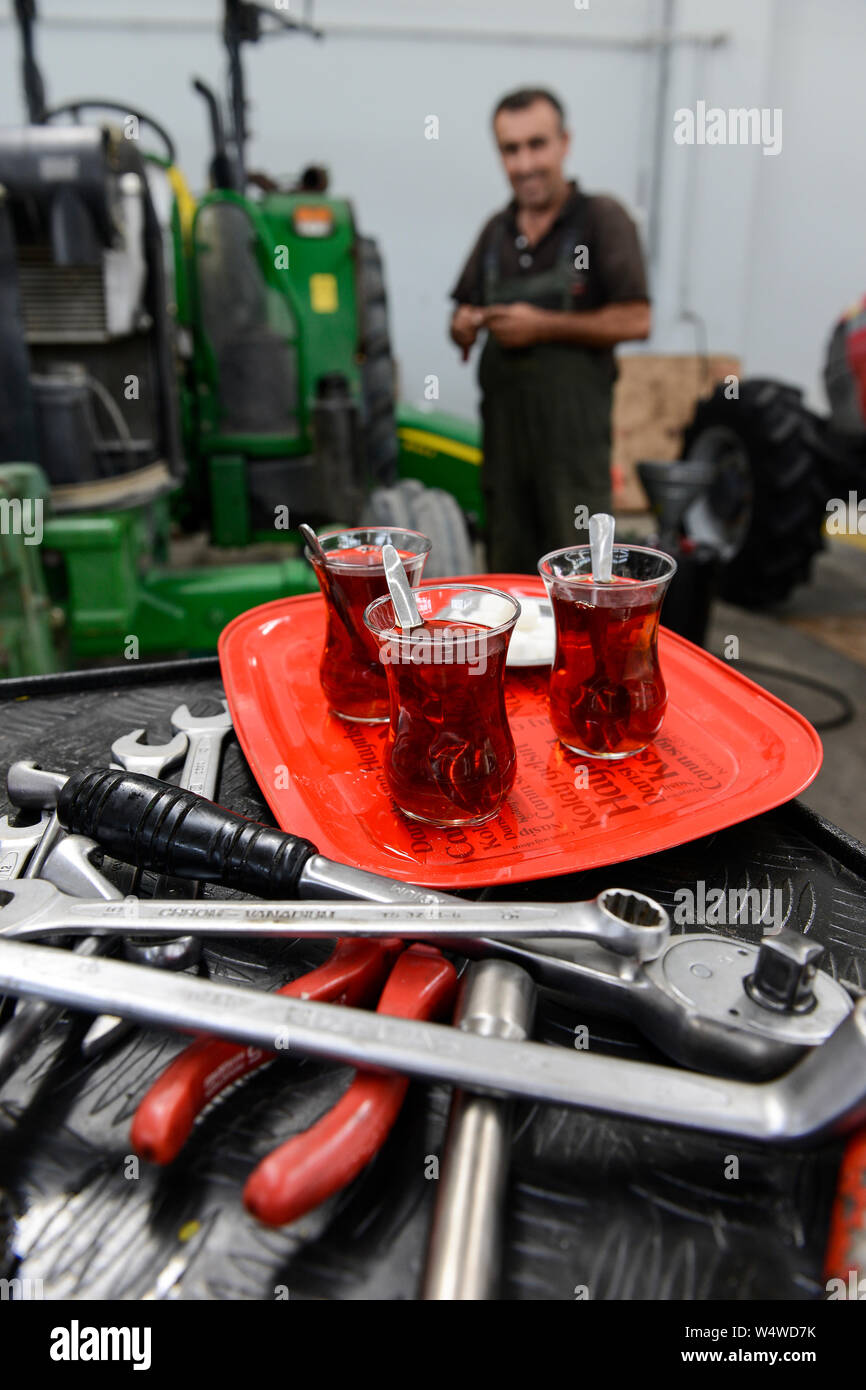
654,400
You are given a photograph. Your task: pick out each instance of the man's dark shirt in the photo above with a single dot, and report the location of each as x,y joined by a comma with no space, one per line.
615,271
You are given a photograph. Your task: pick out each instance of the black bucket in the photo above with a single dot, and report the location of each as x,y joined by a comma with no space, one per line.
64,425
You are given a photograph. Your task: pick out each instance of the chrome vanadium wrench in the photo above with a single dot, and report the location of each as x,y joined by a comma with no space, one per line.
32,909
824,1093
712,1003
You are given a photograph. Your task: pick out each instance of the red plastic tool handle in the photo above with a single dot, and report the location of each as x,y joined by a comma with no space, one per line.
352,974
312,1166
846,1245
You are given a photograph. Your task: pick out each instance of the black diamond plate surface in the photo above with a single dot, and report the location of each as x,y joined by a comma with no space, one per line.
617,1208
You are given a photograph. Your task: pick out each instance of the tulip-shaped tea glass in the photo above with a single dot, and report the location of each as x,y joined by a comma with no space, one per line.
352,676
607,694
450,758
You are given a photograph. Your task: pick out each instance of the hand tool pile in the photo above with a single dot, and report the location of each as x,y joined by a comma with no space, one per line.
764,1044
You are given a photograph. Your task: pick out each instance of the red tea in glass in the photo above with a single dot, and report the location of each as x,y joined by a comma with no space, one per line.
352,677
450,758
607,693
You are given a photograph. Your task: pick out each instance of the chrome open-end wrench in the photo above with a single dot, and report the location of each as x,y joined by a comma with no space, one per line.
206,737
199,741
65,861
824,1093
134,754
200,775
17,843
712,1003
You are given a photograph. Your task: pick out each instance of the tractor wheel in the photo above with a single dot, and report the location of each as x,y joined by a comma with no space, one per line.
377,367
410,487
764,510
387,506
436,513
440,517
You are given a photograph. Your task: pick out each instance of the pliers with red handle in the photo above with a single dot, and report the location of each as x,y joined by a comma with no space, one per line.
318,1162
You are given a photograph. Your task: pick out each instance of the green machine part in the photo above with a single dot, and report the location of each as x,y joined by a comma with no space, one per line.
442,451
118,586
310,284
121,602
304,294
122,599
99,585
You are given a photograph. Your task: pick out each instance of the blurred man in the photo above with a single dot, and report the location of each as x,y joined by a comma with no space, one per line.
557,279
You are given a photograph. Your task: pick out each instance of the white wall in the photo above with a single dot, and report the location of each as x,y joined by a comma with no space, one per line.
808,259
766,250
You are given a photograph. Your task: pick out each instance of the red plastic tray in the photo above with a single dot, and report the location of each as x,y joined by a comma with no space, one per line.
727,750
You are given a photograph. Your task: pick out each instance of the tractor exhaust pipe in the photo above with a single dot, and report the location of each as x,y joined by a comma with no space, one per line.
221,171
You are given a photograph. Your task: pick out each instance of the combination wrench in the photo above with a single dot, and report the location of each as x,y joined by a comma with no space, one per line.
708,1002
17,843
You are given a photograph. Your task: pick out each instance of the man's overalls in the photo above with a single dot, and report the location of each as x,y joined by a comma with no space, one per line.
546,415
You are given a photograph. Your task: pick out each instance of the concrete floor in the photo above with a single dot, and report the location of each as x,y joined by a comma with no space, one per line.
819,632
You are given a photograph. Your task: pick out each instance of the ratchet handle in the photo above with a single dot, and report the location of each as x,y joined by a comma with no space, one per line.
159,826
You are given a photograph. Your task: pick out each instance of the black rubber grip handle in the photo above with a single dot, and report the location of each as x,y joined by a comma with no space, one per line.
159,826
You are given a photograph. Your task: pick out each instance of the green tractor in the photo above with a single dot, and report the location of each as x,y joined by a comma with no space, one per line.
183,382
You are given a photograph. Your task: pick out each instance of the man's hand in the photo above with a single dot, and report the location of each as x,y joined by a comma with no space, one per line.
465,324
516,325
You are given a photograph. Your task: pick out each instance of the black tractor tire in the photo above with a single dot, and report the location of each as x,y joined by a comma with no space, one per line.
379,424
432,511
766,509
